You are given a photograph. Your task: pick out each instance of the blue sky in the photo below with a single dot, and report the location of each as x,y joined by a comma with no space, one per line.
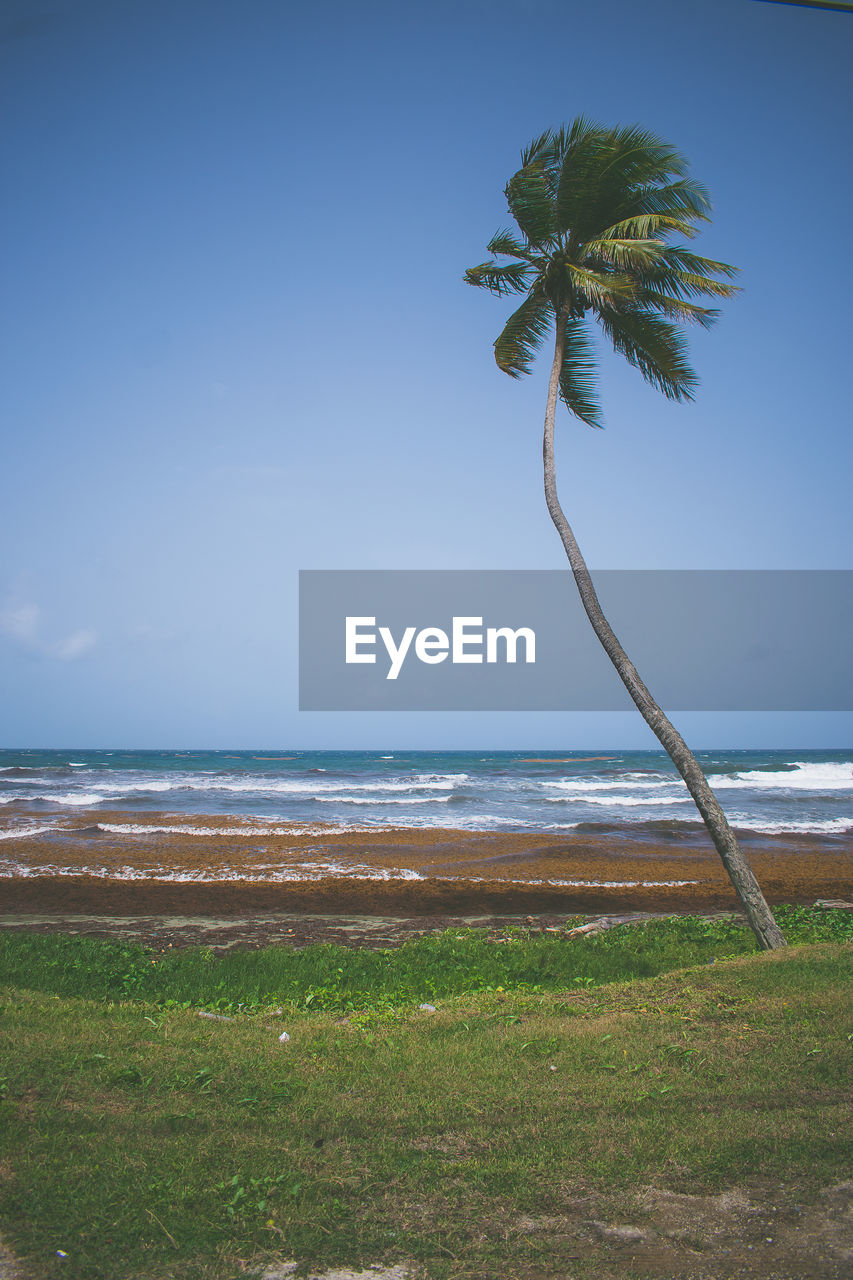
236,342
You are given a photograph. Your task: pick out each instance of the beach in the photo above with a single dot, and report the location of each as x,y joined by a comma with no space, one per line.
229,846
382,885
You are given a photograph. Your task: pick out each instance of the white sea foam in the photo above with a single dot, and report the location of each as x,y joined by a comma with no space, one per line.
260,785
377,800
802,776
121,788
581,786
622,802
20,833
297,787
17,871
145,829
792,826
608,884
433,779
76,798
402,875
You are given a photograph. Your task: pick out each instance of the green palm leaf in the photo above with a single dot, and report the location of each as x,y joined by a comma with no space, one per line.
644,226
678,308
598,288
576,195
510,246
692,274
624,254
654,346
513,277
522,335
539,147
578,375
686,196
530,204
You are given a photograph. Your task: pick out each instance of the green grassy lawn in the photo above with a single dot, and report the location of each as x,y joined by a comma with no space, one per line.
142,1140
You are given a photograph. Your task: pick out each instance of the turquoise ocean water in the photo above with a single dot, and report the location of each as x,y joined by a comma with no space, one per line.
637,792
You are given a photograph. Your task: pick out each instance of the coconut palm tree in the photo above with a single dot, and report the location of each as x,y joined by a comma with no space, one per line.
599,210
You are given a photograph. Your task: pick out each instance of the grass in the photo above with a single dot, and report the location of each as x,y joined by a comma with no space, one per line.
140,1140
457,962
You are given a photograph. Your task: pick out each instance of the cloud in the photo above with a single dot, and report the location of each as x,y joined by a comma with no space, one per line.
23,624
78,643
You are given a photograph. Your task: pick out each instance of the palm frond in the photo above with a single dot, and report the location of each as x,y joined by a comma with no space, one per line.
509,245
530,204
512,277
522,335
629,255
684,275
684,196
536,149
644,226
681,259
677,308
639,156
654,346
577,184
627,161
681,284
599,288
578,375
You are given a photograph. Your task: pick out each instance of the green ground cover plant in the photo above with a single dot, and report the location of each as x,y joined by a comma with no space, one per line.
456,962
141,1140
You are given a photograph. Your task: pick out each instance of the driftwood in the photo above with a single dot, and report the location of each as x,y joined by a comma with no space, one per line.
605,922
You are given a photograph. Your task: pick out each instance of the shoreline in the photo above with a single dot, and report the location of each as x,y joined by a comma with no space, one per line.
283,883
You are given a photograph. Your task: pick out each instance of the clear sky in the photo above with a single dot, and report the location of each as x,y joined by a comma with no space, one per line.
236,342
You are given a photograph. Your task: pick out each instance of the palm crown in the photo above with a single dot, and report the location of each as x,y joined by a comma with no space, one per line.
598,209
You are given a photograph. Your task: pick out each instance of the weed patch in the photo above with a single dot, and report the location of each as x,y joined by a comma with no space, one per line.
329,977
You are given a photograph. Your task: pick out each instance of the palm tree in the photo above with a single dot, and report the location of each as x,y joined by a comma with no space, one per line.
597,209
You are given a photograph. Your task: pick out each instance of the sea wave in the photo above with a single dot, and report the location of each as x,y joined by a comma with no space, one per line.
76,798
258,783
21,833
792,826
622,802
376,801
800,776
20,871
404,875
145,829
625,782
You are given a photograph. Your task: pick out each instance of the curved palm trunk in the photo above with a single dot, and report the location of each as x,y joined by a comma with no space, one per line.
746,886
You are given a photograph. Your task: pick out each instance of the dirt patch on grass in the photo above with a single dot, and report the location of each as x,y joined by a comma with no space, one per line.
10,1268
252,931
265,930
762,1230
289,1269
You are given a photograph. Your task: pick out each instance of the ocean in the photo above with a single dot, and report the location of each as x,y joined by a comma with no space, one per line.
805,792
200,833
